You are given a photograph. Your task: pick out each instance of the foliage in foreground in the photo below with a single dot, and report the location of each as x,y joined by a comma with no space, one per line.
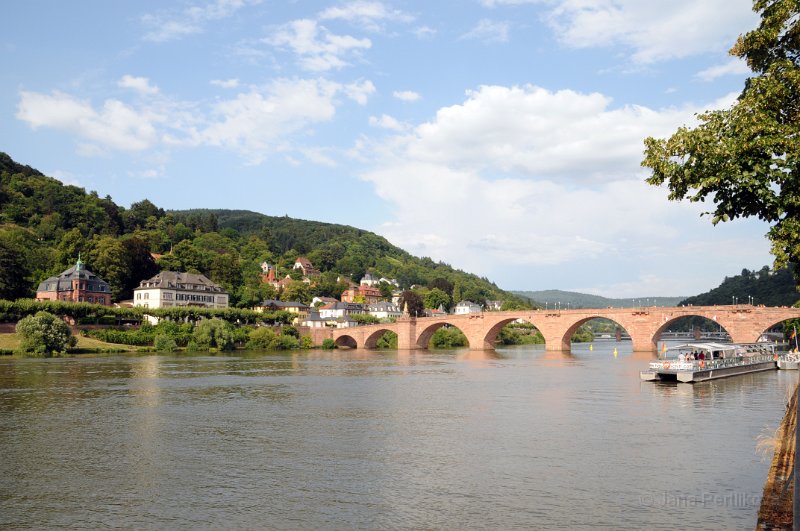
746,159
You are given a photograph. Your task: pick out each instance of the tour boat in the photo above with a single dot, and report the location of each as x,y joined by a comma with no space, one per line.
789,361
698,362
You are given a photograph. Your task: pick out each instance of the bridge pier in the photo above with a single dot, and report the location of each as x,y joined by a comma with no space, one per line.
407,333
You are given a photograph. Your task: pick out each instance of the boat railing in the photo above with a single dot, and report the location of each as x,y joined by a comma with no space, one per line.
717,363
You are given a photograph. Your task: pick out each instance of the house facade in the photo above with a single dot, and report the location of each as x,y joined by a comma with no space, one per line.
371,295
304,265
170,288
298,308
340,309
76,284
464,307
384,310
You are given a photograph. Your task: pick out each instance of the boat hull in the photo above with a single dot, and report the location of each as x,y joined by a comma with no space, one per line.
787,365
702,375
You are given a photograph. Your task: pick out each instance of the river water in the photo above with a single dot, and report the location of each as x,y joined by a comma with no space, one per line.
379,440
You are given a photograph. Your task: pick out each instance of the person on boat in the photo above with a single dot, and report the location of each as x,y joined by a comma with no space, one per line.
702,356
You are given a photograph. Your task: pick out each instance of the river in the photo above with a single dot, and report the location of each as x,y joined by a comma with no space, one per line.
379,440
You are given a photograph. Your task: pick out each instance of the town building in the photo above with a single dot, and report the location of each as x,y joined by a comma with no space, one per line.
298,308
76,284
493,306
304,265
340,309
384,310
370,295
170,288
313,320
322,301
464,307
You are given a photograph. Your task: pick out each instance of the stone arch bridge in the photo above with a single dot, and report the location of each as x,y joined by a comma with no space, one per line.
744,323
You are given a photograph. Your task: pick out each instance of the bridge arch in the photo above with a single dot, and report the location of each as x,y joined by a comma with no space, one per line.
669,322
371,341
425,335
490,338
345,341
566,339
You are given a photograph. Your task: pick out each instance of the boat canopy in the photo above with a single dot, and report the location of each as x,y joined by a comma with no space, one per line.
722,350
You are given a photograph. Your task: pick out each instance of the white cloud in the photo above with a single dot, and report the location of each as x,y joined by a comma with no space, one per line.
116,126
406,95
139,84
734,66
255,124
259,121
526,177
317,49
656,30
171,25
424,32
359,92
387,122
367,15
488,31
225,83
535,132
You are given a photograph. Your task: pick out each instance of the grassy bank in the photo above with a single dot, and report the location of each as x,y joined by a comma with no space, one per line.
10,342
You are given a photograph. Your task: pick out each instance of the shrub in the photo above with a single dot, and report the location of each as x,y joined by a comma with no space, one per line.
213,333
290,331
164,343
267,339
448,338
261,339
387,340
44,334
328,343
306,342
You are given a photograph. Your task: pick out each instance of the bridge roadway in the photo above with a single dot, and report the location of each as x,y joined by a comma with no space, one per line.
744,324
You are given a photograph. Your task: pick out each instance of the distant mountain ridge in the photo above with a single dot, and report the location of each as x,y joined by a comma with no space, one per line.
574,299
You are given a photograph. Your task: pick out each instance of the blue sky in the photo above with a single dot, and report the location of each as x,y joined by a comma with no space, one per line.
500,136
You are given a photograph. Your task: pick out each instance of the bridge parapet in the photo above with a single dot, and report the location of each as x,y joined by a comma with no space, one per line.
644,325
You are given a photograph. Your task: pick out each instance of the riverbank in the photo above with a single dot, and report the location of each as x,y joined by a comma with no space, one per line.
776,511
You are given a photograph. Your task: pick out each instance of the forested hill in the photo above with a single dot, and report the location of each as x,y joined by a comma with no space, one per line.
45,224
767,287
584,300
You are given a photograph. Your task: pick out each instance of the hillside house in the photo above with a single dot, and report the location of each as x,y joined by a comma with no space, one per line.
465,307
170,288
295,307
340,309
384,310
371,295
304,265
76,284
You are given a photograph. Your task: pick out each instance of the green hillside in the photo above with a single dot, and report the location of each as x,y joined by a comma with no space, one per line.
45,224
574,299
767,287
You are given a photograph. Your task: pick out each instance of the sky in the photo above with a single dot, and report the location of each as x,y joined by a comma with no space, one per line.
502,137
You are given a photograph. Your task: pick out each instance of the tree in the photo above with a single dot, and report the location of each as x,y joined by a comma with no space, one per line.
412,302
213,333
44,334
14,271
109,259
746,159
436,298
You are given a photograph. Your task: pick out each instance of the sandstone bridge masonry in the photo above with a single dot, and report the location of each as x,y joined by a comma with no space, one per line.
744,323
